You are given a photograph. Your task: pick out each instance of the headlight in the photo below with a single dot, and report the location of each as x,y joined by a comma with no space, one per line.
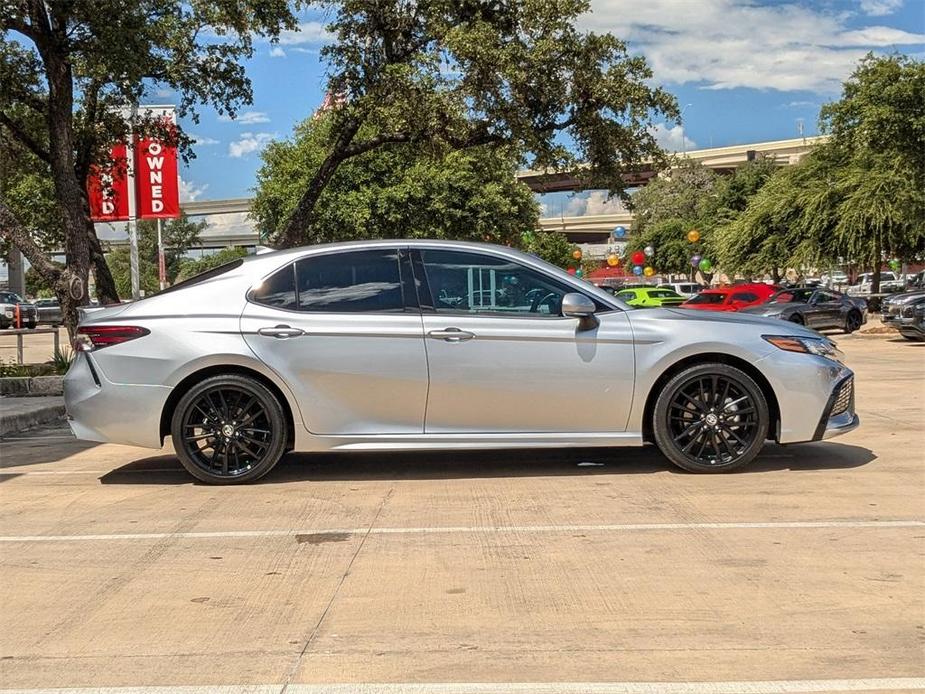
819,346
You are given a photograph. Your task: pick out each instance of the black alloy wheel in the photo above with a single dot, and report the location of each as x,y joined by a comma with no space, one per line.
711,418
229,429
852,321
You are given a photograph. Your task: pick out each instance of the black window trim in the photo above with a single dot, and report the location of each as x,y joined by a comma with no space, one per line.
428,304
403,275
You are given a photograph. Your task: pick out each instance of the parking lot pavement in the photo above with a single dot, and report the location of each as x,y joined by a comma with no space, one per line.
523,570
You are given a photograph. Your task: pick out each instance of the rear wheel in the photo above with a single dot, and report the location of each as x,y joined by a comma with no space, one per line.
229,430
852,321
711,418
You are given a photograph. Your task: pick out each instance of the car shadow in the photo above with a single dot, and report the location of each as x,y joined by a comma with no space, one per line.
431,465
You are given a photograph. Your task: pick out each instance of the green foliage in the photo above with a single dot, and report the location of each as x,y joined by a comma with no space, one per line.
179,235
36,285
190,268
399,191
11,369
61,360
857,196
455,75
551,246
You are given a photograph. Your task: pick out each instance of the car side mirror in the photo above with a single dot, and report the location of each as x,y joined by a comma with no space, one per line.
575,305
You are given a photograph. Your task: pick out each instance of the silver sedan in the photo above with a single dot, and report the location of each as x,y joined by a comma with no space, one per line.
430,345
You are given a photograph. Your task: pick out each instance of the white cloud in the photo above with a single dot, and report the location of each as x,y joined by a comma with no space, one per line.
202,140
246,118
308,32
248,143
672,139
799,104
164,93
277,52
724,44
592,202
878,8
189,191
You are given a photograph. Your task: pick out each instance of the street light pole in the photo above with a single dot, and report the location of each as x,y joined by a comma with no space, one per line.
683,139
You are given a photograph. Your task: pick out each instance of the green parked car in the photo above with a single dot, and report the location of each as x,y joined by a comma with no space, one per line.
650,296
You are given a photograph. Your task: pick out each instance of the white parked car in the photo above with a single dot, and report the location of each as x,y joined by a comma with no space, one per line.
889,282
685,289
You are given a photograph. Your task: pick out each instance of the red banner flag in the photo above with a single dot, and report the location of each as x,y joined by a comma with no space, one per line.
108,189
156,180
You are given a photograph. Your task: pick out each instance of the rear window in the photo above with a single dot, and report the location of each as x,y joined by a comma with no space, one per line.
745,296
663,294
203,276
713,298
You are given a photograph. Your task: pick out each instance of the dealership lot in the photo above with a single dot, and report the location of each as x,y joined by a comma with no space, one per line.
578,566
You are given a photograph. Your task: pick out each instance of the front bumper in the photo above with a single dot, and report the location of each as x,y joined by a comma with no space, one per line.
807,388
100,410
839,416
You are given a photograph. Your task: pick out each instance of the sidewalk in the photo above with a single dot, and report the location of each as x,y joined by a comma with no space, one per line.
19,414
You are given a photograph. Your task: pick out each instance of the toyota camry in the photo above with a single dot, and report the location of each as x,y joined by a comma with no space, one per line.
434,345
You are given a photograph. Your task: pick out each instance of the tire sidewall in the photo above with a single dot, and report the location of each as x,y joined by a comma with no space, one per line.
662,430
274,412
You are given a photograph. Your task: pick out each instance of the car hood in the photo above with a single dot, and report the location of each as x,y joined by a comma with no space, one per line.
906,298
765,310
773,325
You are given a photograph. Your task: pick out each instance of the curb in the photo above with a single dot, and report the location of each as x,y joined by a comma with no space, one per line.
32,386
21,414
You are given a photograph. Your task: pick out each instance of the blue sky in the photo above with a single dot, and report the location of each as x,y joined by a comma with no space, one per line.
744,71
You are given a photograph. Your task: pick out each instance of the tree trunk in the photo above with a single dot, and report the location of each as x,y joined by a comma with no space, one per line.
293,234
105,284
875,277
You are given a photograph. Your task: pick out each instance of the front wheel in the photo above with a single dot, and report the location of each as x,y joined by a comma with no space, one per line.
711,418
229,430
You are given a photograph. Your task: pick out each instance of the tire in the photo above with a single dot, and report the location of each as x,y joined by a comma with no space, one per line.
797,318
688,418
210,442
852,322
31,326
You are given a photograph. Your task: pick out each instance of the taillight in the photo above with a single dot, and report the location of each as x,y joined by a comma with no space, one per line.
91,337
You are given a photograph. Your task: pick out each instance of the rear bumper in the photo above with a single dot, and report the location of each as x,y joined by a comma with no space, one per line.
99,410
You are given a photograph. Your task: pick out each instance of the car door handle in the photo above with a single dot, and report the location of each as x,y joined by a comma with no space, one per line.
451,335
281,331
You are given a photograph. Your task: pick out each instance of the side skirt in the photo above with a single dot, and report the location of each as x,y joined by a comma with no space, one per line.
306,442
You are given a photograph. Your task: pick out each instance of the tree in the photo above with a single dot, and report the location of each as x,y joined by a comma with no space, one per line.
457,75
551,246
877,145
74,64
858,195
396,191
190,268
179,235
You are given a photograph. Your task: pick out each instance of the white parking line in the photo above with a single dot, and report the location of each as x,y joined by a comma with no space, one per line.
474,529
744,687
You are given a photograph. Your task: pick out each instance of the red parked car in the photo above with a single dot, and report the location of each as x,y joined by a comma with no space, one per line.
731,298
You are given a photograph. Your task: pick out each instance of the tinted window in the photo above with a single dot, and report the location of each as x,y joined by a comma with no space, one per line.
745,296
712,298
663,294
476,283
353,282
278,290
795,296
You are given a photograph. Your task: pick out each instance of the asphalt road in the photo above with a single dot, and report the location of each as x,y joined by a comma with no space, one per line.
492,572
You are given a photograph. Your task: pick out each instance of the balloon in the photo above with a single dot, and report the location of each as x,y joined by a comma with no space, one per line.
649,271
576,254
620,231
637,270
639,258
706,265
578,272
693,236
695,261
613,260
649,251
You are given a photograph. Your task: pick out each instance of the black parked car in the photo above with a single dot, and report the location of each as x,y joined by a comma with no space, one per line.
911,321
8,303
892,307
815,308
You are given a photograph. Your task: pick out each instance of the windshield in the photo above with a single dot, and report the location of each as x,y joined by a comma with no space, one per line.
791,296
10,298
711,298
